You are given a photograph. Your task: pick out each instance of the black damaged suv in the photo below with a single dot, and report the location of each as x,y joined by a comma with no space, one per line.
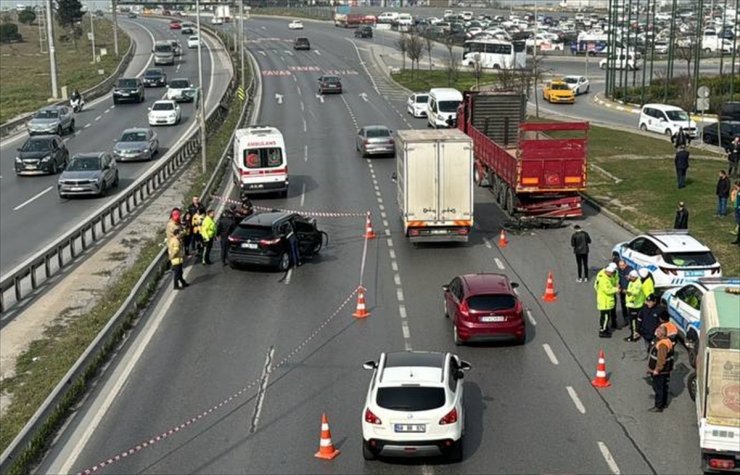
301,43
128,90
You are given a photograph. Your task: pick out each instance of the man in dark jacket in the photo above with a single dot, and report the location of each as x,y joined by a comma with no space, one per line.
723,193
224,228
623,271
648,320
580,241
682,217
680,139
733,156
682,165
196,207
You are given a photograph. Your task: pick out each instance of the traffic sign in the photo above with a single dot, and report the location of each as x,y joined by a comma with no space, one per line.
702,92
702,104
241,94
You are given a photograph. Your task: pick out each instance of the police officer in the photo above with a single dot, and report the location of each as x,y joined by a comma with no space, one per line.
606,287
648,320
623,273
226,226
648,283
635,300
208,233
660,365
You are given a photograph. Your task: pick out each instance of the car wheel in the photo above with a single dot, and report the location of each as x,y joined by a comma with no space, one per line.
643,127
367,452
59,130
691,385
455,335
72,126
668,132
588,88
116,181
284,263
103,189
456,452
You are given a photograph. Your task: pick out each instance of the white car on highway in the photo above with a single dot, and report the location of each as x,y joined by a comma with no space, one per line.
180,90
414,405
217,21
194,41
577,84
295,25
164,112
673,257
416,105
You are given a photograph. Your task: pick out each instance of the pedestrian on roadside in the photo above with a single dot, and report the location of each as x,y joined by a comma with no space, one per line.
173,223
208,233
196,223
723,193
682,217
606,290
660,365
735,198
733,156
682,166
680,139
580,240
648,320
623,271
226,226
671,330
175,252
648,282
196,206
295,256
635,302
187,233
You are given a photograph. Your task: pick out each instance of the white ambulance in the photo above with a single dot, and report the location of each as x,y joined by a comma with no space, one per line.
260,163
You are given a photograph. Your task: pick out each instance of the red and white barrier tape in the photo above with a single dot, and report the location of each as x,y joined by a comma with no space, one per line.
320,214
164,435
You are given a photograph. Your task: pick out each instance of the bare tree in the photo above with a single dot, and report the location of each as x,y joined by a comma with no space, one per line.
428,45
403,45
414,50
534,75
452,65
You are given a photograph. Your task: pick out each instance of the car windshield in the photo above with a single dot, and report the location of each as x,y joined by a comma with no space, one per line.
571,80
127,83
84,163
559,87
179,84
422,99
163,106
133,137
163,48
372,133
193,38
410,399
153,73
252,231
687,259
677,115
331,79
491,302
448,106
47,114
36,145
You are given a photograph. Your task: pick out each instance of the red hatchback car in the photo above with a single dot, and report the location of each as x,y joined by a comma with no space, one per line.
175,25
484,307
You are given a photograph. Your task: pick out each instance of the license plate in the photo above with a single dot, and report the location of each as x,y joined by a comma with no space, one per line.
694,273
410,427
439,231
125,94
249,245
76,188
256,186
493,319
31,167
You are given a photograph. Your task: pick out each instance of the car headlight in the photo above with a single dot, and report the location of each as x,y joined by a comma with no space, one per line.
18,160
46,158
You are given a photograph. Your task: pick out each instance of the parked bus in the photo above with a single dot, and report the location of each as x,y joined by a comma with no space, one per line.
494,54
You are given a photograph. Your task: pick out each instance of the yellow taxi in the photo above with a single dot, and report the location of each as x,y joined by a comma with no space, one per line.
558,92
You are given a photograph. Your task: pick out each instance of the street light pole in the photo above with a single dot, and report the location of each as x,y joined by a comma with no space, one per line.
241,44
114,7
201,98
52,49
92,29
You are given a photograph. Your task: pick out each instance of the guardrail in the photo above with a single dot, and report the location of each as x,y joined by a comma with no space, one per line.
100,89
26,278
46,418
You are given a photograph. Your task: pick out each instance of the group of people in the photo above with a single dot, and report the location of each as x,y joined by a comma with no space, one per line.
193,231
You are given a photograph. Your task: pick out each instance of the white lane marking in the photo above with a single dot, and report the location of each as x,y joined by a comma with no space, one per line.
304,125
402,311
266,371
303,195
380,201
78,132
363,95
305,150
399,295
392,253
177,69
303,106
550,354
576,400
427,470
407,346
381,208
405,329
394,266
34,197
487,242
279,98
295,79
317,52
282,58
385,223
390,242
320,97
531,318
609,459
499,264
397,279
106,111
98,118
289,53
288,275
262,53
86,126
383,215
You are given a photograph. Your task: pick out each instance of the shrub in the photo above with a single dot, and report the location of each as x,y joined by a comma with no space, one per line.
9,32
27,16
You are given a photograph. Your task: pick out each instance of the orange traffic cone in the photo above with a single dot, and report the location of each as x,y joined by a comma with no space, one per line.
502,241
601,381
550,295
369,233
326,447
361,311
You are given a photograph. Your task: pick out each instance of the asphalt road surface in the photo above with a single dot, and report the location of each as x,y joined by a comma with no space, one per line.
32,213
244,362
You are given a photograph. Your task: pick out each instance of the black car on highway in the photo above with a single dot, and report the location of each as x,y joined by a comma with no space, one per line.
729,130
41,154
155,77
261,239
301,43
128,90
330,84
365,31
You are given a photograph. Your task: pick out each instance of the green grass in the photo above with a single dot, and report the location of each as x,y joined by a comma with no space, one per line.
26,80
646,195
423,79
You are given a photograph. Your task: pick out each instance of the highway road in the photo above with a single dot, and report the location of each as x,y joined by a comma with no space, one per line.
32,213
236,370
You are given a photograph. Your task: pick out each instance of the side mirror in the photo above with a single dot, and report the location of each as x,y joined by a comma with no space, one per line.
370,365
465,366
445,287
148,108
18,149
514,285
394,177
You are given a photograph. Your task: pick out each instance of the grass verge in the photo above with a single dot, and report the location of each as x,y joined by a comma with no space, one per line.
646,193
423,79
26,80
38,373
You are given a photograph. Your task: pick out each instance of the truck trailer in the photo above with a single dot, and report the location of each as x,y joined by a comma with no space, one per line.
532,170
434,178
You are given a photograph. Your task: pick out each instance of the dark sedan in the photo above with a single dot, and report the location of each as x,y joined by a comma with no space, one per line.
301,43
730,129
42,154
330,84
365,31
155,77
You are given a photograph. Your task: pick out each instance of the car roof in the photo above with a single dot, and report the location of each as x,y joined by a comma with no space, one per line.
432,359
135,129
375,127
165,101
50,108
329,76
267,218
710,283
301,38
665,107
409,367
673,241
88,155
154,70
41,137
487,283
557,81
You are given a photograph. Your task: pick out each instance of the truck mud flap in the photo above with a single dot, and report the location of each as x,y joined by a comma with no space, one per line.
519,223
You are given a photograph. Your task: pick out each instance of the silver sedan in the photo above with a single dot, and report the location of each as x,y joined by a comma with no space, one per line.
136,144
375,140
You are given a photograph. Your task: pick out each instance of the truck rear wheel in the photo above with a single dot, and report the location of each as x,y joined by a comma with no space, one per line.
509,203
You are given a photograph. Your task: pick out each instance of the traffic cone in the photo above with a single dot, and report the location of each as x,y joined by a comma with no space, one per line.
326,447
369,233
601,381
361,311
550,295
502,242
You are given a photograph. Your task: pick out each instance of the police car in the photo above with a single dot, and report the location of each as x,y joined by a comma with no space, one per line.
673,257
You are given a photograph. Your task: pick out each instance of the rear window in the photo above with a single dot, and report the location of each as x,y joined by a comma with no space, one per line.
163,106
416,398
163,48
179,84
422,99
263,157
491,302
127,83
252,231
373,133
686,259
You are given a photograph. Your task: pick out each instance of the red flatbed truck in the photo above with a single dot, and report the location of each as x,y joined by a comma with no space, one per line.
530,173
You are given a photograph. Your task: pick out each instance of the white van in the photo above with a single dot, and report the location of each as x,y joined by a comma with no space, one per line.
260,163
387,17
442,106
404,21
666,119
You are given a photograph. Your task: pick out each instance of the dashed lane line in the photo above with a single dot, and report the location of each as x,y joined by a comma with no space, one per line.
608,458
531,318
33,198
303,195
550,354
576,400
499,264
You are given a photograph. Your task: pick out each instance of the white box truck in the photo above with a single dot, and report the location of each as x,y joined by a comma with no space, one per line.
717,389
222,12
434,177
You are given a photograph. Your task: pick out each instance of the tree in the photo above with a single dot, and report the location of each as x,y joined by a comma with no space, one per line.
402,44
27,16
452,65
69,12
414,49
428,47
9,32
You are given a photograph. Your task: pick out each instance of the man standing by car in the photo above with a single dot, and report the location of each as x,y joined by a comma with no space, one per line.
293,242
580,241
682,166
735,196
723,193
196,207
682,217
624,272
648,283
606,290
226,226
208,232
660,365
648,320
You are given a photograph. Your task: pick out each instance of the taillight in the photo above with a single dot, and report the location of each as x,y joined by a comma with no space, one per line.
716,270
450,418
390,141
269,242
366,141
371,418
722,464
234,239
463,231
414,232
464,309
666,270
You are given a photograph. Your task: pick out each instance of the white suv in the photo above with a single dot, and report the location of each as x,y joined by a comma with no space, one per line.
414,406
666,119
673,257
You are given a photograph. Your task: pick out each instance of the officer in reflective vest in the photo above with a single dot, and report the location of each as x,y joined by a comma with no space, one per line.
635,299
660,365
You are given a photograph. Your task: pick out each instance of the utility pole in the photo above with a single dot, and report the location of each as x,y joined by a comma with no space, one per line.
649,43
652,48
734,56
52,49
671,51
241,44
114,7
92,28
697,51
201,95
637,22
534,59
722,42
